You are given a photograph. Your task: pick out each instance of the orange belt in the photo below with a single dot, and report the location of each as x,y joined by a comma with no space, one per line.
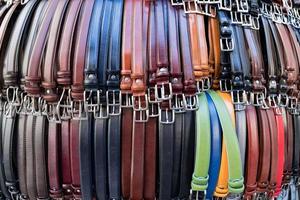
222,185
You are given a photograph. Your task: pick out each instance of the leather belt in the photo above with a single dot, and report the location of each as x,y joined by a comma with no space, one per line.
113,97
281,147
91,81
177,101
163,93
150,163
85,118
191,104
253,153
48,84
216,148
139,100
125,86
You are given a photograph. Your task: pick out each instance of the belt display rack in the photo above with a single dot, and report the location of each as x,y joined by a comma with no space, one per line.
149,99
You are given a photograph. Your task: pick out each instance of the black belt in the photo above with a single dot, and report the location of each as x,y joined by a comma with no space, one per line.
113,100
86,174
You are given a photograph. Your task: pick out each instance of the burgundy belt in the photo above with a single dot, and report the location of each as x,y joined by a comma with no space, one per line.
51,98
69,128
253,152
151,124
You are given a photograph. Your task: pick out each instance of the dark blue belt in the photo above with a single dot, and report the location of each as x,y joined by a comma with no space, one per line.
113,100
216,149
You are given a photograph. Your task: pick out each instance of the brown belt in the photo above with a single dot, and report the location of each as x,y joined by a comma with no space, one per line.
139,96
49,84
126,99
253,152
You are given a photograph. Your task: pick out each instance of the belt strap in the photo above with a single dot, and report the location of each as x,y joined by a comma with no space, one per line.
203,138
91,81
85,119
265,152
253,152
139,97
274,153
113,97
177,93
216,148
151,124
281,147
50,96
290,150
191,103
125,86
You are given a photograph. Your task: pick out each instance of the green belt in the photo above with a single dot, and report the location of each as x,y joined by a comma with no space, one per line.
202,155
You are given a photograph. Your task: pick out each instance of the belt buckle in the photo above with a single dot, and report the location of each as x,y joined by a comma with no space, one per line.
177,103
236,17
255,25
113,99
191,102
242,6
126,100
258,99
190,6
102,112
208,1
225,5
52,112
140,108
266,9
262,196
234,196
207,9
283,99
203,84
287,4
64,104
78,110
198,195
89,102
292,105
226,44
277,13
168,119
163,91
237,97
177,2
13,191
247,20
225,85
153,103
